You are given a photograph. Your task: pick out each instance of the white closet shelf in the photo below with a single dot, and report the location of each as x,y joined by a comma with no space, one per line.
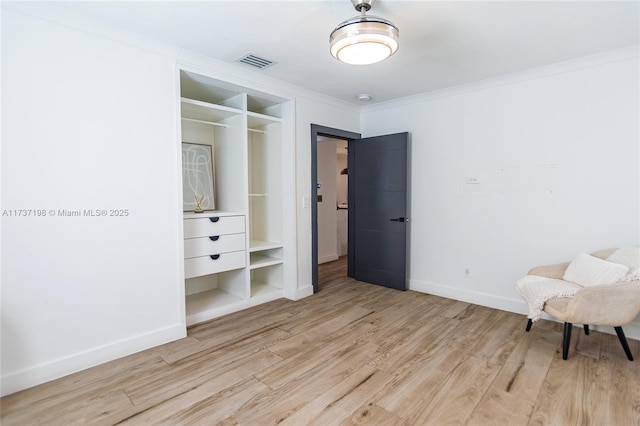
204,111
261,289
211,123
200,305
257,121
211,213
262,261
259,245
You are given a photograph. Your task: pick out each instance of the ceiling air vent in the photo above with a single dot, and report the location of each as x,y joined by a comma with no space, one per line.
255,61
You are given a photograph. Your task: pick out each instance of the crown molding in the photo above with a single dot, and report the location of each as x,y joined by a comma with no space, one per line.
623,54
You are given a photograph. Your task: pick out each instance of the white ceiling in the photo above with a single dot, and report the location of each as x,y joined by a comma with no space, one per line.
442,43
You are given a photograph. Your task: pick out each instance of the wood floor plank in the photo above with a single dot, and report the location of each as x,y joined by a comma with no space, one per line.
372,415
400,320
318,313
190,400
113,373
191,375
383,299
46,404
218,405
514,391
455,309
407,350
293,367
350,405
586,345
416,384
170,397
526,368
499,340
616,393
230,351
562,398
228,331
333,327
341,400
461,391
354,353
301,390
77,411
474,327
497,405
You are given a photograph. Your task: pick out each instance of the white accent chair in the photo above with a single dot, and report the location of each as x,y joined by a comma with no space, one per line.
612,305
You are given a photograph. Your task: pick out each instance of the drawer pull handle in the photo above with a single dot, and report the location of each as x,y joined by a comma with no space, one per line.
214,237
214,256
214,219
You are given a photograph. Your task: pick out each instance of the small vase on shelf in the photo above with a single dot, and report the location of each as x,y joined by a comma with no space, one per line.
198,208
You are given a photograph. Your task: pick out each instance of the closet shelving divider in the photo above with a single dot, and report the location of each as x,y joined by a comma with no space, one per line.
264,138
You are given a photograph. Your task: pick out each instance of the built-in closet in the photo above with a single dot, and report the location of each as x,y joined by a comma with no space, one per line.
236,256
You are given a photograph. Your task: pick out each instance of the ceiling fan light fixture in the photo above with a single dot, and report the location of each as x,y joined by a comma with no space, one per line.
364,40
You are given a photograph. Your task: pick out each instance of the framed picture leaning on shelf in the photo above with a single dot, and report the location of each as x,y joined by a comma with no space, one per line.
198,183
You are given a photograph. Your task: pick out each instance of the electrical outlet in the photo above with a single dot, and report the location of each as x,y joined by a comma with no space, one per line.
473,180
467,271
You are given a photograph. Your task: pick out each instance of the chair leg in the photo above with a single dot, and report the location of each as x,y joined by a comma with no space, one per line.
566,340
529,323
623,340
586,329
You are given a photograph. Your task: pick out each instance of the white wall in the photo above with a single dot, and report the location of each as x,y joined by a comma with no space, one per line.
581,116
332,223
87,123
327,218
342,183
341,180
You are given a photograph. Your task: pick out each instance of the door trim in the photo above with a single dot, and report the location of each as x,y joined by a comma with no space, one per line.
317,130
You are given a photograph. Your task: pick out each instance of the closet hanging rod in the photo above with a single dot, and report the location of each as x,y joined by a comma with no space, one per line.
257,131
211,123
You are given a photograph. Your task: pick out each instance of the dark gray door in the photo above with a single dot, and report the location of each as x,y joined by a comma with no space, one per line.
378,210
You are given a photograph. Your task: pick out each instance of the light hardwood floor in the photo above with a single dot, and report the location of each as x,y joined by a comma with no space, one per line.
354,353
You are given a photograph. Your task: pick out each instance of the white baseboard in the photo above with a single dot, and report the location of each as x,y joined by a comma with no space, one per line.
36,375
477,298
300,293
329,258
631,330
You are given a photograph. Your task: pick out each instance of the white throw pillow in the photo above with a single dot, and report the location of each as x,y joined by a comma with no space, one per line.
587,271
628,256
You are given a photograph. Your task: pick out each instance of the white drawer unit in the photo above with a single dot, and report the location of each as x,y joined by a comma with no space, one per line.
213,244
213,264
212,226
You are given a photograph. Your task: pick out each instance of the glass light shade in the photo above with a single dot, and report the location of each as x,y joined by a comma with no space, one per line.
364,40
